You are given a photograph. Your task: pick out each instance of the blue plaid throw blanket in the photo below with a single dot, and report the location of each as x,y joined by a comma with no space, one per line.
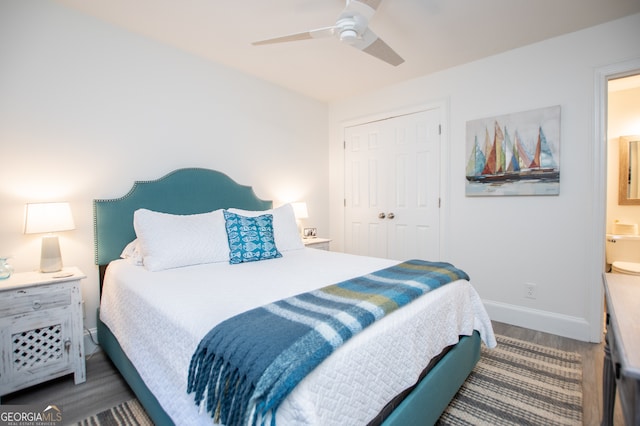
247,365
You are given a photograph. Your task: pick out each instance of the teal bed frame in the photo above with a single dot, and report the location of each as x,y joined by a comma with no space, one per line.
195,190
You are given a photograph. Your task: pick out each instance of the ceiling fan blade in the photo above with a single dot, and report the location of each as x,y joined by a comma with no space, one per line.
366,8
307,35
373,45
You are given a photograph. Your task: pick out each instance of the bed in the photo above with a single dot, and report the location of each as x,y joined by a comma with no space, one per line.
152,317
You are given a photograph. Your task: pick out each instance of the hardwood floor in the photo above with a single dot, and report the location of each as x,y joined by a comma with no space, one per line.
105,388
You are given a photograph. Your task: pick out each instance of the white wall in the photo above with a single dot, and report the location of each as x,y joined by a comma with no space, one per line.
623,120
87,108
505,242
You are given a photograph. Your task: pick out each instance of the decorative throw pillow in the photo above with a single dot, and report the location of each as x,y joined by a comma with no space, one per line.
250,238
285,228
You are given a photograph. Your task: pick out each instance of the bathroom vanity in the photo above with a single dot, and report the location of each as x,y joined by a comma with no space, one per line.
621,368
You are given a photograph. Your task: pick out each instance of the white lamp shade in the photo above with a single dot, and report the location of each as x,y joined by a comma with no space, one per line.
300,210
48,217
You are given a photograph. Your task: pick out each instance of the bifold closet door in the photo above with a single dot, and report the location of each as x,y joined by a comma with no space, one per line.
392,180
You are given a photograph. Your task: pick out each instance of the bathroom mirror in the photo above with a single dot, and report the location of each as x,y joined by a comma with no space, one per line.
629,182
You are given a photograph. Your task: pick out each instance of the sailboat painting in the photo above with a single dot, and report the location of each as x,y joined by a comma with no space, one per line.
514,154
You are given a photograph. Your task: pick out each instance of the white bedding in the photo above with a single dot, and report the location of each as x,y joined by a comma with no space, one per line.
160,317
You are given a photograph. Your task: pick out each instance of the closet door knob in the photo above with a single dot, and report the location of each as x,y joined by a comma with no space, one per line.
391,215
381,216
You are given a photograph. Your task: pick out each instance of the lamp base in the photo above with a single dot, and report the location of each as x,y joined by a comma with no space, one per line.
50,258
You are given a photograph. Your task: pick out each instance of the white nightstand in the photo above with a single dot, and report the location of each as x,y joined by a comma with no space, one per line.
40,328
317,243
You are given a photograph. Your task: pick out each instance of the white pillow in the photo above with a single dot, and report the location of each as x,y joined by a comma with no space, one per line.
285,228
171,241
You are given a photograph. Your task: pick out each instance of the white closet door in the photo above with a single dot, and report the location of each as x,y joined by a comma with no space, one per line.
392,179
365,189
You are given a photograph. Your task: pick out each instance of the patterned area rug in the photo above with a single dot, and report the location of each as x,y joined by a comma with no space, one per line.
518,383
129,413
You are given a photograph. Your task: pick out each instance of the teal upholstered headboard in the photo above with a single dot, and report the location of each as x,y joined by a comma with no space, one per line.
184,191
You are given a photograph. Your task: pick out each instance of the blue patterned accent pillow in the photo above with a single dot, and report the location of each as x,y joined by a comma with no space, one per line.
250,238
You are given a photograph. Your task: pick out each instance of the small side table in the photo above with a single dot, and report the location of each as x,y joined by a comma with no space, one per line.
41,323
317,243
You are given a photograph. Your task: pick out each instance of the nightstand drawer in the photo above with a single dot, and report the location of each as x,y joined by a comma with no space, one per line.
33,299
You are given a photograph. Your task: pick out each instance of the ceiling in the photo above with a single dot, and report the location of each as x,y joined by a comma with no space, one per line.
430,35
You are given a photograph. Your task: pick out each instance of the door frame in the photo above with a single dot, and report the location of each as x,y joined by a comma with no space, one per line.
599,175
444,185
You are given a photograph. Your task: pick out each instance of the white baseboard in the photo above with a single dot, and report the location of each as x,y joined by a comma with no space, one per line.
548,322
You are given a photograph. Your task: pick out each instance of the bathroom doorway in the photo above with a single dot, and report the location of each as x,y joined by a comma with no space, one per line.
600,183
623,121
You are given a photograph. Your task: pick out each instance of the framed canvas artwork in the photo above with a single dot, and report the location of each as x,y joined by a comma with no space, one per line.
514,154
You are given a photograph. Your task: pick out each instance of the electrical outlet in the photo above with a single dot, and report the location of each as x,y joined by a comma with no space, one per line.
530,291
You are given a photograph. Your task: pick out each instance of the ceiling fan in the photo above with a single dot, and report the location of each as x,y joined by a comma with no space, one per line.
352,27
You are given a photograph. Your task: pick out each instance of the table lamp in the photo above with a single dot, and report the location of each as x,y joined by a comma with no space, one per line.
300,212
48,218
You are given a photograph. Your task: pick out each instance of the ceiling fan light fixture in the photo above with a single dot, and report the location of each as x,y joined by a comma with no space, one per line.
348,36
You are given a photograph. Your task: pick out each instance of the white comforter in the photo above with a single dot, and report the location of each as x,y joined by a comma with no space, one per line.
160,317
